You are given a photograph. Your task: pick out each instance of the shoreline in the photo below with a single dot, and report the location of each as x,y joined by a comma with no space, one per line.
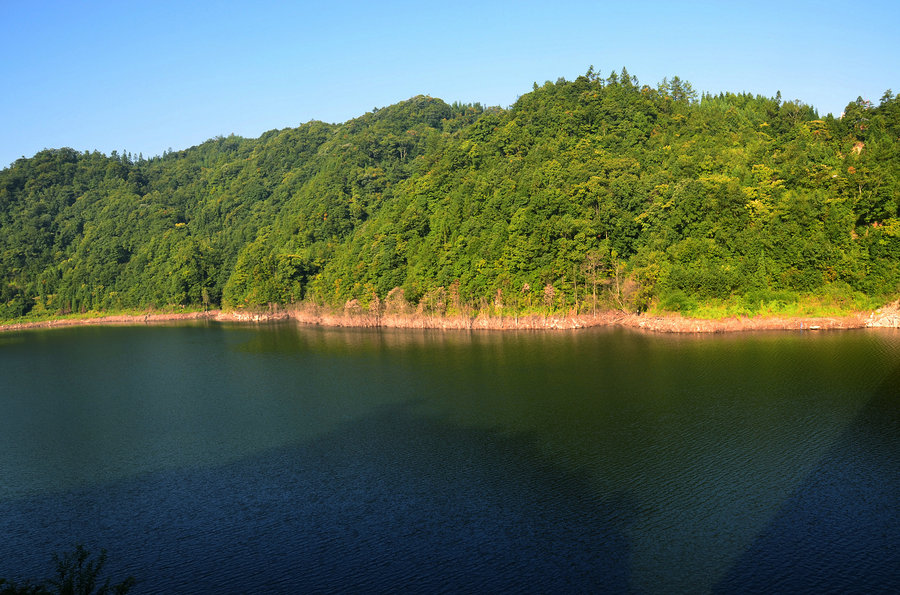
886,317
111,320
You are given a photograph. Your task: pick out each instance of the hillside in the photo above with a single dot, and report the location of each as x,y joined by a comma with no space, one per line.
586,194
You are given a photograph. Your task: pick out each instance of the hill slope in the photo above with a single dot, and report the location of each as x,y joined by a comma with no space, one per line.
587,193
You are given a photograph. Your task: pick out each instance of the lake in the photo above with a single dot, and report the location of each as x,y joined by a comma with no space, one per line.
240,459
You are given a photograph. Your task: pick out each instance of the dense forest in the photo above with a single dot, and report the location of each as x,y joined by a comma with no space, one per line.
595,193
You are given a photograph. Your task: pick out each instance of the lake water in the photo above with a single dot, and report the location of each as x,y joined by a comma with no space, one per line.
242,459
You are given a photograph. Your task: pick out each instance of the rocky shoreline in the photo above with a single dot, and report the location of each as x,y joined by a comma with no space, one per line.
886,317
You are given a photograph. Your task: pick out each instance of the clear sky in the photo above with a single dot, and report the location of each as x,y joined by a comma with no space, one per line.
148,76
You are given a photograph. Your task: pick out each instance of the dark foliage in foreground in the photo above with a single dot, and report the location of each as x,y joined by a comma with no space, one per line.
76,574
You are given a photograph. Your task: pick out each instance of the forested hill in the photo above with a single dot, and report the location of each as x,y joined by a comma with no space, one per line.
593,191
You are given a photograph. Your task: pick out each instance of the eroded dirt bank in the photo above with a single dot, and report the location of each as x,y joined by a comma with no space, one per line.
667,324
888,316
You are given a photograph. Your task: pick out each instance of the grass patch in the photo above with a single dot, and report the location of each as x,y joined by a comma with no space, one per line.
46,316
834,300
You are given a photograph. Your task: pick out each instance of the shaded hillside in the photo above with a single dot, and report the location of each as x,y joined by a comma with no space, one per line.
587,193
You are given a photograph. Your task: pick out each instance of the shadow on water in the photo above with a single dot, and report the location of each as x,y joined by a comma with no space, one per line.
278,459
840,530
393,501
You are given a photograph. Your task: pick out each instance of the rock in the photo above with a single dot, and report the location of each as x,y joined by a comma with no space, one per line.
886,317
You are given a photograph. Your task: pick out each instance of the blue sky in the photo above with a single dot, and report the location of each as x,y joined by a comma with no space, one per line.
144,77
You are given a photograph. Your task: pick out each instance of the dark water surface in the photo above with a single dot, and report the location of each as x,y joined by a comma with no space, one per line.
235,459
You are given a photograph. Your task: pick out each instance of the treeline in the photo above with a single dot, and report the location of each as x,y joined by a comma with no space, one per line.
597,192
